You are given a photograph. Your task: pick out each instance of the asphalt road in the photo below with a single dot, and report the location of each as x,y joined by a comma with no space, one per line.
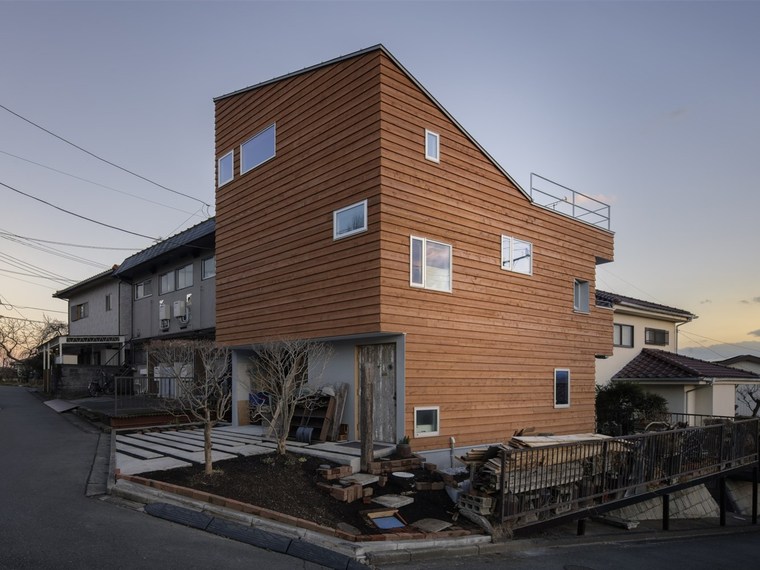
46,521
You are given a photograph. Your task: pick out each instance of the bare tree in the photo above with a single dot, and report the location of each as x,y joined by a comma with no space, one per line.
280,375
20,339
750,395
199,371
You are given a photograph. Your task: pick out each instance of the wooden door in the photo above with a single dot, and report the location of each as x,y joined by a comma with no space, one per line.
382,358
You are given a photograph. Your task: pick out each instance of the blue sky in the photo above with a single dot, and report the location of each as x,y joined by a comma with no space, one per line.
652,106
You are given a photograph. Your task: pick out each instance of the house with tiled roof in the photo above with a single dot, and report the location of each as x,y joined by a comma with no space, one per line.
747,395
690,385
637,324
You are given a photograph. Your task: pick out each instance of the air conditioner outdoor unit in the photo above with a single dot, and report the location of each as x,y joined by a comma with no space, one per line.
163,310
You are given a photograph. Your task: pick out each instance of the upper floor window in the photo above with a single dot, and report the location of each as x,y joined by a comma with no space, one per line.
185,276
225,168
166,283
516,255
656,336
80,311
109,305
350,220
432,146
208,268
561,388
623,335
430,264
257,149
580,296
143,289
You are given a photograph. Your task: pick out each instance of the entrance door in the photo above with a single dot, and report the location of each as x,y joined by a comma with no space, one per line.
382,357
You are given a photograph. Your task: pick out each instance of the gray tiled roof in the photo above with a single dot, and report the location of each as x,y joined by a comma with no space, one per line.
66,293
663,365
607,298
169,245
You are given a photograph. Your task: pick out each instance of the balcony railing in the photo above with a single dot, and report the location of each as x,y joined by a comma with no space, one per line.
549,194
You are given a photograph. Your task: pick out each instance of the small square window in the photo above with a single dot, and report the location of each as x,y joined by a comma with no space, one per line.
80,311
561,388
580,296
426,421
350,220
516,255
432,146
208,268
225,168
143,289
257,149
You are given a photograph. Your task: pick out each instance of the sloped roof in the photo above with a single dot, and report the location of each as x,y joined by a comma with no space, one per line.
66,293
184,239
662,365
611,299
384,50
741,358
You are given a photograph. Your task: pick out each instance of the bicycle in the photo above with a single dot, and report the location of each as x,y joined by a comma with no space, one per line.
103,384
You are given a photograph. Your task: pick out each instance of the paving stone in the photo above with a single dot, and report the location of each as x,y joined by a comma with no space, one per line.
393,501
363,479
431,525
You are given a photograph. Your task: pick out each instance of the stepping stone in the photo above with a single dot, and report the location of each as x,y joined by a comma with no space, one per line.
431,525
362,479
393,501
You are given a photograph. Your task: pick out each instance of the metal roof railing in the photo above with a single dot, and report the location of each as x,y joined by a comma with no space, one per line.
548,194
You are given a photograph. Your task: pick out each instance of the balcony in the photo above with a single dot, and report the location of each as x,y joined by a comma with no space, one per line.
548,194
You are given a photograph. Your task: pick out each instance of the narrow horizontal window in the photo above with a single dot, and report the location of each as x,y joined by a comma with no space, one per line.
430,264
656,336
225,168
432,146
350,220
561,388
426,421
516,255
257,149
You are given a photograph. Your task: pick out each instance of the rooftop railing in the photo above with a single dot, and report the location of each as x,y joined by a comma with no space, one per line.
553,196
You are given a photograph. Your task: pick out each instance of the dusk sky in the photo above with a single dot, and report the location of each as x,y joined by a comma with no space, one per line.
652,107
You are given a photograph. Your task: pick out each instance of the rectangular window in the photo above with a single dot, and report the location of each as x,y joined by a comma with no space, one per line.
656,336
623,336
143,289
108,302
166,283
208,268
225,168
426,421
185,277
257,149
430,264
79,311
350,220
561,388
432,146
516,255
580,296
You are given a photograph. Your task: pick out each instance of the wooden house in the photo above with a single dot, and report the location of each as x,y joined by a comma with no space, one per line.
352,208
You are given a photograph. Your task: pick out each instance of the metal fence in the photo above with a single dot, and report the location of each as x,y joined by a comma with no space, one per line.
541,483
549,194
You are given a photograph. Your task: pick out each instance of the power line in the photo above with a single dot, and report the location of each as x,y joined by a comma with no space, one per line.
92,154
54,251
691,334
93,182
75,214
37,276
7,233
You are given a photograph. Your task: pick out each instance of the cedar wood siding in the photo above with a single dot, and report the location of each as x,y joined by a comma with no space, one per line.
279,272
486,352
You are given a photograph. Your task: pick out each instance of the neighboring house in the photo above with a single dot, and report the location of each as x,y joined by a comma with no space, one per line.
751,364
690,385
637,324
172,290
353,209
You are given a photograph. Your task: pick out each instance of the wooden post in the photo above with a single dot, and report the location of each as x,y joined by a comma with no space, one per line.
366,423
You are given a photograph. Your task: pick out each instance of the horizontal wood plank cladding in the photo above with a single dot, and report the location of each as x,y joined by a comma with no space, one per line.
279,271
486,352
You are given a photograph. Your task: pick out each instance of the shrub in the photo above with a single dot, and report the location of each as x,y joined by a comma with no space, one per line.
621,406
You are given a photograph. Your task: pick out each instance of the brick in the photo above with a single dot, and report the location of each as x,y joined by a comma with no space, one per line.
431,467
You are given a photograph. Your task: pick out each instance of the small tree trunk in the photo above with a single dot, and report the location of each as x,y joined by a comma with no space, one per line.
207,443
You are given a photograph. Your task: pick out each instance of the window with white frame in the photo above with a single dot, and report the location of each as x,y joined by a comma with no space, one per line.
257,149
225,169
656,336
561,388
426,421
516,255
80,311
623,336
350,220
208,268
430,264
432,146
185,276
580,296
143,289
